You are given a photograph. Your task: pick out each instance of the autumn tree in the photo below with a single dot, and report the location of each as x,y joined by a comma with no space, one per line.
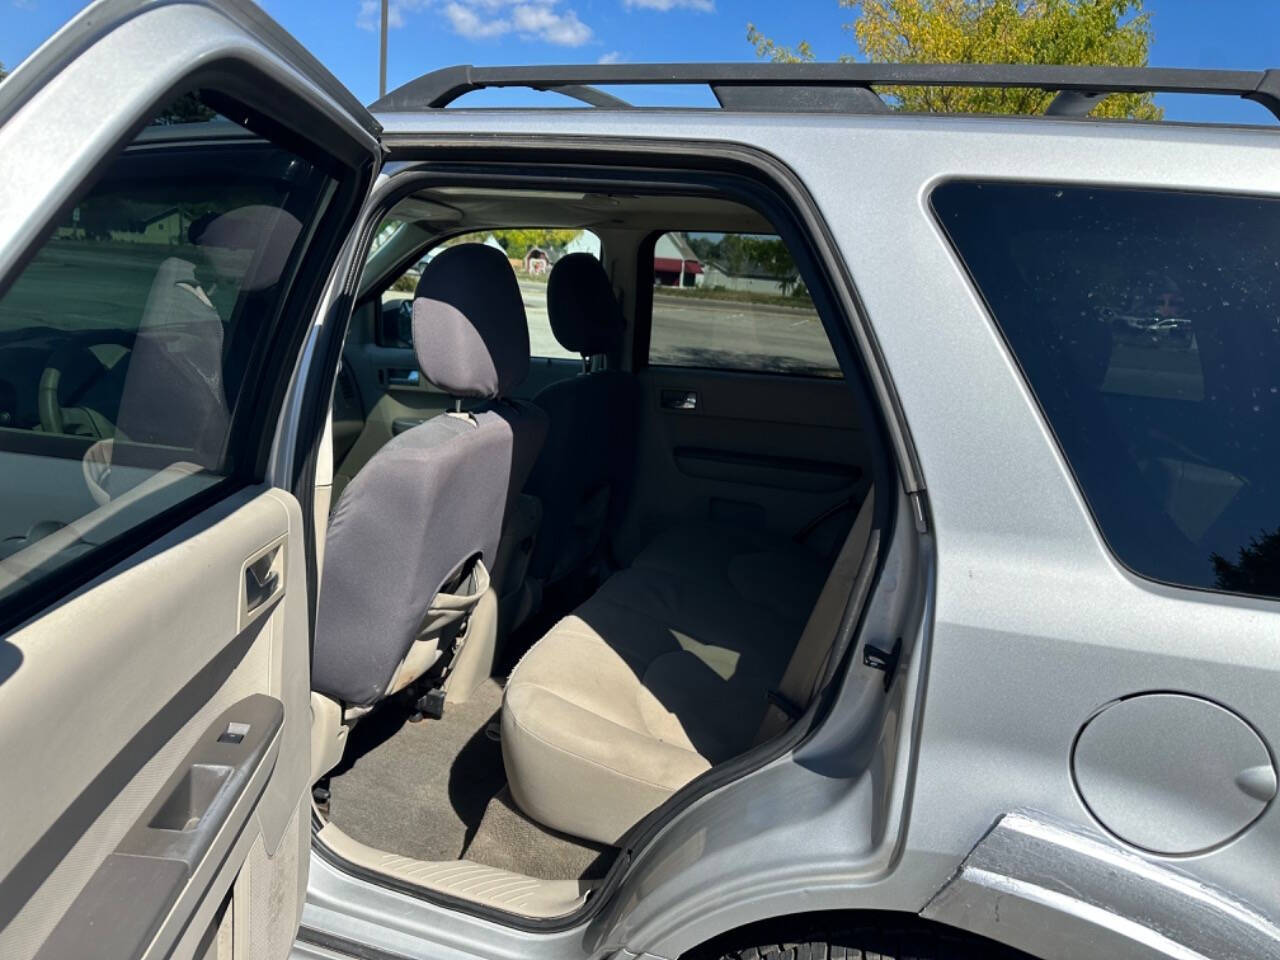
518,242
1071,32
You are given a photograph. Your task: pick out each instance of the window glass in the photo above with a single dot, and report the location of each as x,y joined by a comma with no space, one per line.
532,254
1148,325
734,301
128,338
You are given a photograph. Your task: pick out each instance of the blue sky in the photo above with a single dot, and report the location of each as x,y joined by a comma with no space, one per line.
1233,34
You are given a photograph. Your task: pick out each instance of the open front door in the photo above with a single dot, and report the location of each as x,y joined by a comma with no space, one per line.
178,180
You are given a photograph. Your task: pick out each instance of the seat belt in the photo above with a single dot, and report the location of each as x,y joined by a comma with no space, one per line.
810,655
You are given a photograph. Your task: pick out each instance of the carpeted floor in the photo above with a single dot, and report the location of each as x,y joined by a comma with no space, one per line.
510,840
419,789
436,790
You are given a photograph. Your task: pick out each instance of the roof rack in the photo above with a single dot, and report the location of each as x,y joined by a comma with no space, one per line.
831,87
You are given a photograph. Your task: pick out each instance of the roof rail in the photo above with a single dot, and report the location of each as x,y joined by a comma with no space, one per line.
831,87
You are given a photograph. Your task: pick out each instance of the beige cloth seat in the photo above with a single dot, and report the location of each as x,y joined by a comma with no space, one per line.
661,674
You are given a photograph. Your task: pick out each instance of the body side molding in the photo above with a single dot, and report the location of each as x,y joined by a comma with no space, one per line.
1060,891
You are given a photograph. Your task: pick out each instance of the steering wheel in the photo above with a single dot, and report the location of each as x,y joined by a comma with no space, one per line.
69,372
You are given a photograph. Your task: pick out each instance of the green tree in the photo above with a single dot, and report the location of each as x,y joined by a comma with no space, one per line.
518,242
1256,570
188,108
1073,32
3,72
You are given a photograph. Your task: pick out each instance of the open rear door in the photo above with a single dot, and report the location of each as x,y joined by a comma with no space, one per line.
178,180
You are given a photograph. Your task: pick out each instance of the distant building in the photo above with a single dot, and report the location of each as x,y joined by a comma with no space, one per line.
537,261
584,242
715,275
166,228
674,262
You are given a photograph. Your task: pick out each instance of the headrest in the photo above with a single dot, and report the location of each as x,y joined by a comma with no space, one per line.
250,244
584,313
469,327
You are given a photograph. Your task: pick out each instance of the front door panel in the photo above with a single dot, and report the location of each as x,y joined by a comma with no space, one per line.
113,698
179,179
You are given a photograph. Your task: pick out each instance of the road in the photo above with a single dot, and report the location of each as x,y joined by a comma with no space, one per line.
72,285
694,331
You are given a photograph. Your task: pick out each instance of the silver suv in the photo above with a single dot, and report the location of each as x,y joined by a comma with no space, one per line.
794,529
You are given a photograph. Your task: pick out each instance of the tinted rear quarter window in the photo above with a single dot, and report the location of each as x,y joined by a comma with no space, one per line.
1147,324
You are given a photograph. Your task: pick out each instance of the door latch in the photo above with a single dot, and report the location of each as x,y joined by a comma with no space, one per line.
879,659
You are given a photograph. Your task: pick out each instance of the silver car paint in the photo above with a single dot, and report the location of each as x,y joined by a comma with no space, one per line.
1034,626
1029,876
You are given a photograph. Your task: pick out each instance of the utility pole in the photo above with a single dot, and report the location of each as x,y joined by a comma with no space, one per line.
382,58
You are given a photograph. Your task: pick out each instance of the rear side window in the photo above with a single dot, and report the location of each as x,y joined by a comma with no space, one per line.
131,337
1148,326
734,301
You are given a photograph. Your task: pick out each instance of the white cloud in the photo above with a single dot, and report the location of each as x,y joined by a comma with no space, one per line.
370,15
613,56
542,22
467,23
701,6
535,20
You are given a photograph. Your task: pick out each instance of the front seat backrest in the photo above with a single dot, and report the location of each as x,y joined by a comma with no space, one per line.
584,474
430,503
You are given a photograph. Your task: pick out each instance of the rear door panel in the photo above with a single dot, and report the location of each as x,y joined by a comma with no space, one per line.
743,448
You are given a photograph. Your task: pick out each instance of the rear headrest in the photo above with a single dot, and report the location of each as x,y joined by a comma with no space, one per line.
469,327
584,313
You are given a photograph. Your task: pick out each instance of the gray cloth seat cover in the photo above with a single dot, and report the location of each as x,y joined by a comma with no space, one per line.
176,391
173,390
593,420
433,498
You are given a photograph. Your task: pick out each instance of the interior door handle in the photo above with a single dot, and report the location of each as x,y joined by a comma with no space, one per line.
263,580
679,400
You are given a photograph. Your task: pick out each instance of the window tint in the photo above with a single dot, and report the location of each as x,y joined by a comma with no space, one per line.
532,254
1148,325
734,301
129,337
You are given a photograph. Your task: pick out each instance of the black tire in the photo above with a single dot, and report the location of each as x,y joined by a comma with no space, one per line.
912,940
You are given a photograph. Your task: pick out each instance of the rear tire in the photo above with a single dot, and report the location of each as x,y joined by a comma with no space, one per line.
887,941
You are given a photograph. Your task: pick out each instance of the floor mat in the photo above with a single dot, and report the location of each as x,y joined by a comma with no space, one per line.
510,840
419,789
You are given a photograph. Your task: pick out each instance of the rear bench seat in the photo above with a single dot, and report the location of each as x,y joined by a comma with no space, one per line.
661,674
